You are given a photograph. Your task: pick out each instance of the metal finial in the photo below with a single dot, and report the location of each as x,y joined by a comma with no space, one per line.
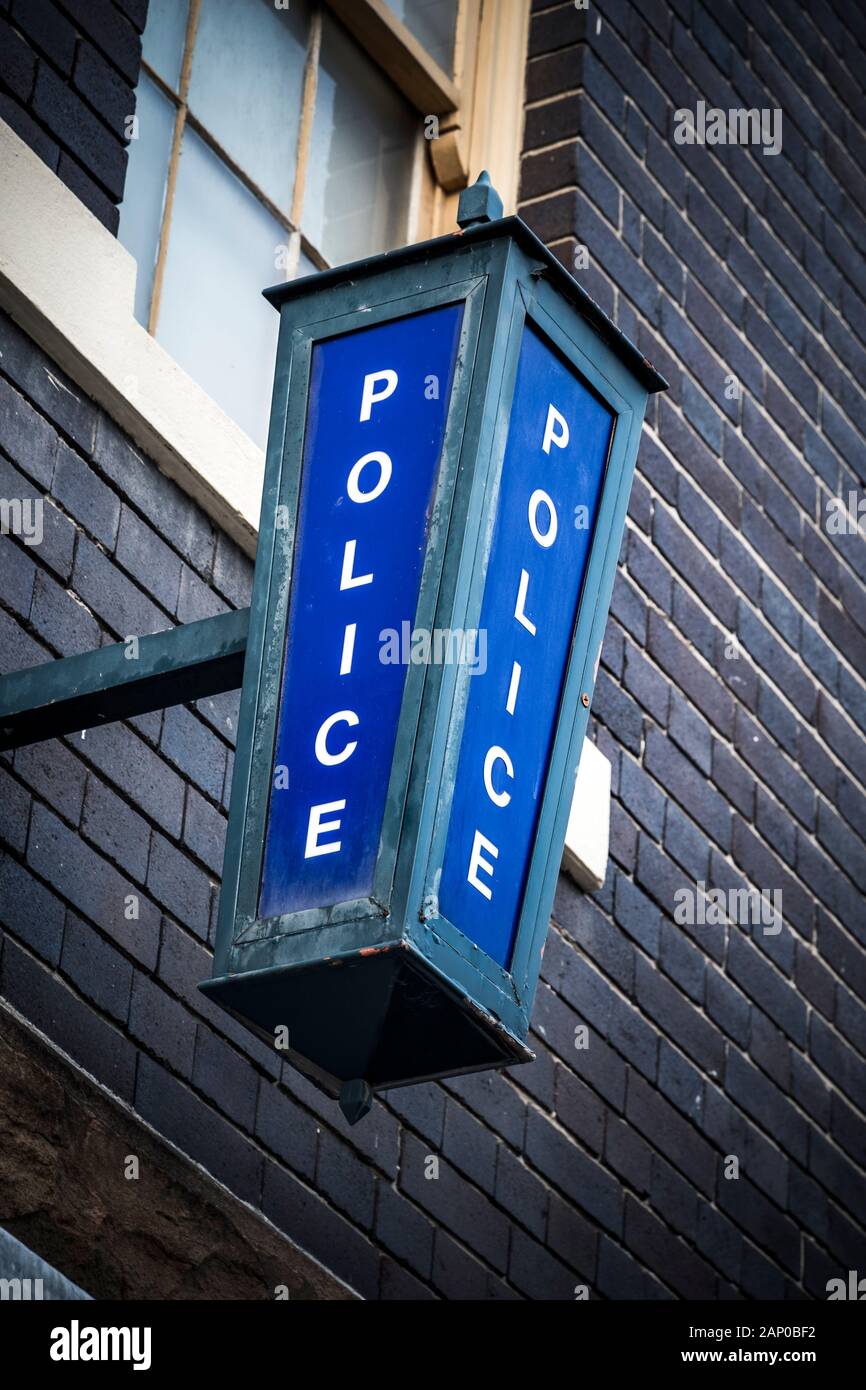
479,202
356,1100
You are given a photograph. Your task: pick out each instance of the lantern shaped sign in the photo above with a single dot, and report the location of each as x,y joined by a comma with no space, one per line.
452,441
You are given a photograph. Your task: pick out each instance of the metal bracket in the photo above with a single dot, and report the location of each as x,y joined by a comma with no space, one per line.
127,678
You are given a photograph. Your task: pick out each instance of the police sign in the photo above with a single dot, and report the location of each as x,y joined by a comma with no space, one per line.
452,440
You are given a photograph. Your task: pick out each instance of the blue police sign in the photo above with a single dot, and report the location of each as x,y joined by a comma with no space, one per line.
558,441
452,440
375,426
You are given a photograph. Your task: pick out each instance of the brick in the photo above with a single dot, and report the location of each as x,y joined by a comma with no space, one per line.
80,131
582,920
456,1273
520,1191
92,886
727,1007
125,610
57,542
196,600
24,435
422,1107
14,812
115,828
693,792
769,1227
232,572
100,972
405,1231
110,96
768,1106
171,513
748,968
182,888
469,1146
225,1077
654,1245
29,910
618,712
345,1179
452,1201
699,682
140,773
837,1060
52,391
163,1025
537,1273
58,618
204,831
628,1155
673,1136
17,63
17,650
666,1005
642,797
682,963
620,1276
636,915
286,1129
17,577
494,1100
581,1179
50,1006
194,750
88,192
148,559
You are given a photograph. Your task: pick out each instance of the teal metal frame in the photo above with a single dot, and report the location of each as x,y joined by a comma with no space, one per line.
504,277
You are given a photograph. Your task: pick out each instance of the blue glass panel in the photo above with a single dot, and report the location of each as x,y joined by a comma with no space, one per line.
359,553
558,441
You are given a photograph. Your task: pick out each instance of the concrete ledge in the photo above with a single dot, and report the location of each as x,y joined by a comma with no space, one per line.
172,1233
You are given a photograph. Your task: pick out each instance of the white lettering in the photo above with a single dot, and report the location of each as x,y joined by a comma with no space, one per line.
550,435
520,606
539,499
369,394
317,827
497,755
349,580
352,485
477,862
343,716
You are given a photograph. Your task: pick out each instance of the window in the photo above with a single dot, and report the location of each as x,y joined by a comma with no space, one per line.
277,137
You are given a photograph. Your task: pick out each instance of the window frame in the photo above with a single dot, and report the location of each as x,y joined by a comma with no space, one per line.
441,164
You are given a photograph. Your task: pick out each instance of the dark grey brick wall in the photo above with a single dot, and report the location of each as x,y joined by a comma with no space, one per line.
68,70
603,1166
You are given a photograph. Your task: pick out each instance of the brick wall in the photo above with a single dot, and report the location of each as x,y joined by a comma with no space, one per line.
603,1166
68,71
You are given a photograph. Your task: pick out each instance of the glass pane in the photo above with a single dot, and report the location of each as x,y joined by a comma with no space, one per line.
162,45
144,192
305,266
222,252
246,85
363,141
433,23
